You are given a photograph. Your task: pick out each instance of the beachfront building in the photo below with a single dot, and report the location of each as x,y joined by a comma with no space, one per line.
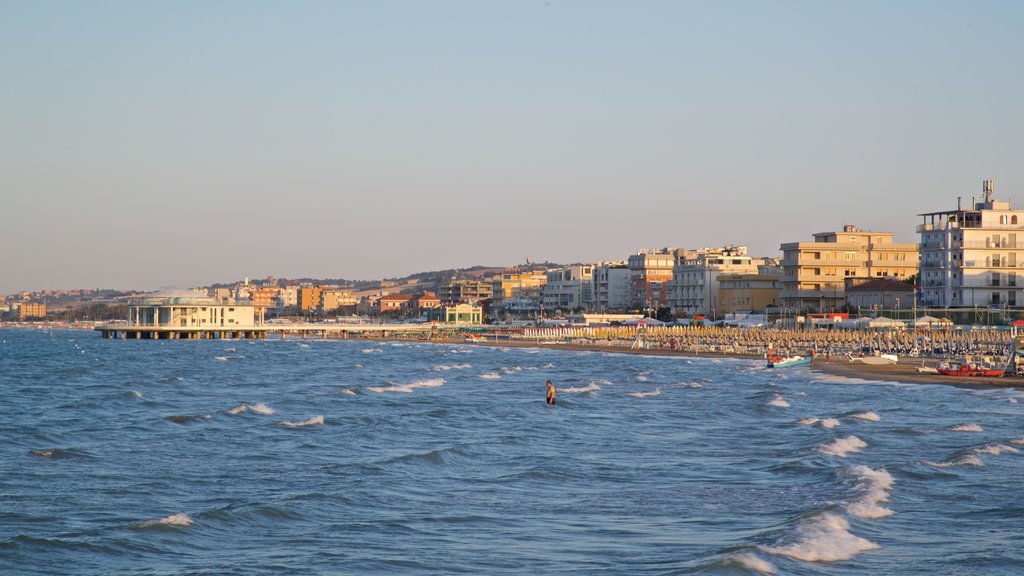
333,299
309,298
393,303
650,274
568,288
28,310
879,294
613,286
517,293
287,297
972,257
458,291
457,314
694,287
814,273
191,310
749,293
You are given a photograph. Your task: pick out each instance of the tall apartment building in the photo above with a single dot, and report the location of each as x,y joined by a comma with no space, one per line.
568,288
650,274
309,298
694,286
814,273
613,286
458,291
973,257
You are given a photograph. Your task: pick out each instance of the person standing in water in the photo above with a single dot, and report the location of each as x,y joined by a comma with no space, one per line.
551,392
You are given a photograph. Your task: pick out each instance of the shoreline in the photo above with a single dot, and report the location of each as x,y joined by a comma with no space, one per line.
905,371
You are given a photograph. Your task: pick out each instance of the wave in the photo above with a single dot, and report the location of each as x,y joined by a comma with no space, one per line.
866,416
312,421
778,401
350,390
59,453
592,387
965,460
450,367
1017,441
407,388
491,376
174,520
840,447
371,350
995,449
969,427
874,486
259,408
692,384
823,422
221,358
823,538
655,392
747,561
136,394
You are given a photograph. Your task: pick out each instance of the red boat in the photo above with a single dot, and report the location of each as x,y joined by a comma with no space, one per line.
966,368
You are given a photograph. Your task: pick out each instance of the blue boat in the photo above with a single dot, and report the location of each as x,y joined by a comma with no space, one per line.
780,362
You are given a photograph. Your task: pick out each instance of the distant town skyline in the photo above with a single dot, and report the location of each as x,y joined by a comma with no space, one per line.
182,144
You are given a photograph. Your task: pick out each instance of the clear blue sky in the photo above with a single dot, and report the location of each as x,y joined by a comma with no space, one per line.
148,144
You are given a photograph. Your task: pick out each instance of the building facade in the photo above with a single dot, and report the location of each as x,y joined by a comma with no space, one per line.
814,273
192,311
748,293
613,286
650,274
694,287
973,257
458,291
569,288
879,294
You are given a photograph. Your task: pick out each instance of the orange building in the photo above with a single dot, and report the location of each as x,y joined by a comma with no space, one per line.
32,310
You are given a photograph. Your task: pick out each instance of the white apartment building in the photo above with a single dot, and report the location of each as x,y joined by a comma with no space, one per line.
613,286
191,310
694,286
568,288
973,257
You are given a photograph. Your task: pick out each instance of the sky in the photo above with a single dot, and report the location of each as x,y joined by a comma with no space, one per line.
148,145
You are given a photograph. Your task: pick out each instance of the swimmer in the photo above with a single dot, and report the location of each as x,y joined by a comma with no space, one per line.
551,392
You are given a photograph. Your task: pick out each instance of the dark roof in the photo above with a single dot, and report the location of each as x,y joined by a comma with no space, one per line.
881,285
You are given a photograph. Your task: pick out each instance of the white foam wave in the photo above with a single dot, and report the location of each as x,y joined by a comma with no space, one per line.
359,365
970,427
491,376
829,423
258,408
965,460
641,378
549,365
751,562
823,538
512,370
446,368
1011,400
809,421
1017,441
874,486
779,402
136,394
995,449
221,358
348,391
312,421
371,350
842,446
693,385
867,416
180,520
592,387
655,392
408,388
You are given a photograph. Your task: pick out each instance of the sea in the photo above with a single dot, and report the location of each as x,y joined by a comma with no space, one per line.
304,456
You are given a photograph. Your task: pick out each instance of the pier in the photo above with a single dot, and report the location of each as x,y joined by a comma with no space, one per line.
261,332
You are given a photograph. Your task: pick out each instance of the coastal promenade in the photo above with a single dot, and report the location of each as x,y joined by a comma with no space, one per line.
148,332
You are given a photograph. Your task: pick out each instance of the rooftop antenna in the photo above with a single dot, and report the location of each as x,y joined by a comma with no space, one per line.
988,187
958,198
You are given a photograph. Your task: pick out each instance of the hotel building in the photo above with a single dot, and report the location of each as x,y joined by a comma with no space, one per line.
814,273
973,257
694,287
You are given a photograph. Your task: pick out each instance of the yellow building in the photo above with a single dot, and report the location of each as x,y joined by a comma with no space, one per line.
32,310
310,298
333,299
814,273
517,286
747,292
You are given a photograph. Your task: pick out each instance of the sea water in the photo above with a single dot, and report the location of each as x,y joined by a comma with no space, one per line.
358,457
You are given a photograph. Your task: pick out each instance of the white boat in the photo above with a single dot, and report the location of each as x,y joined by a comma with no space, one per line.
880,360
